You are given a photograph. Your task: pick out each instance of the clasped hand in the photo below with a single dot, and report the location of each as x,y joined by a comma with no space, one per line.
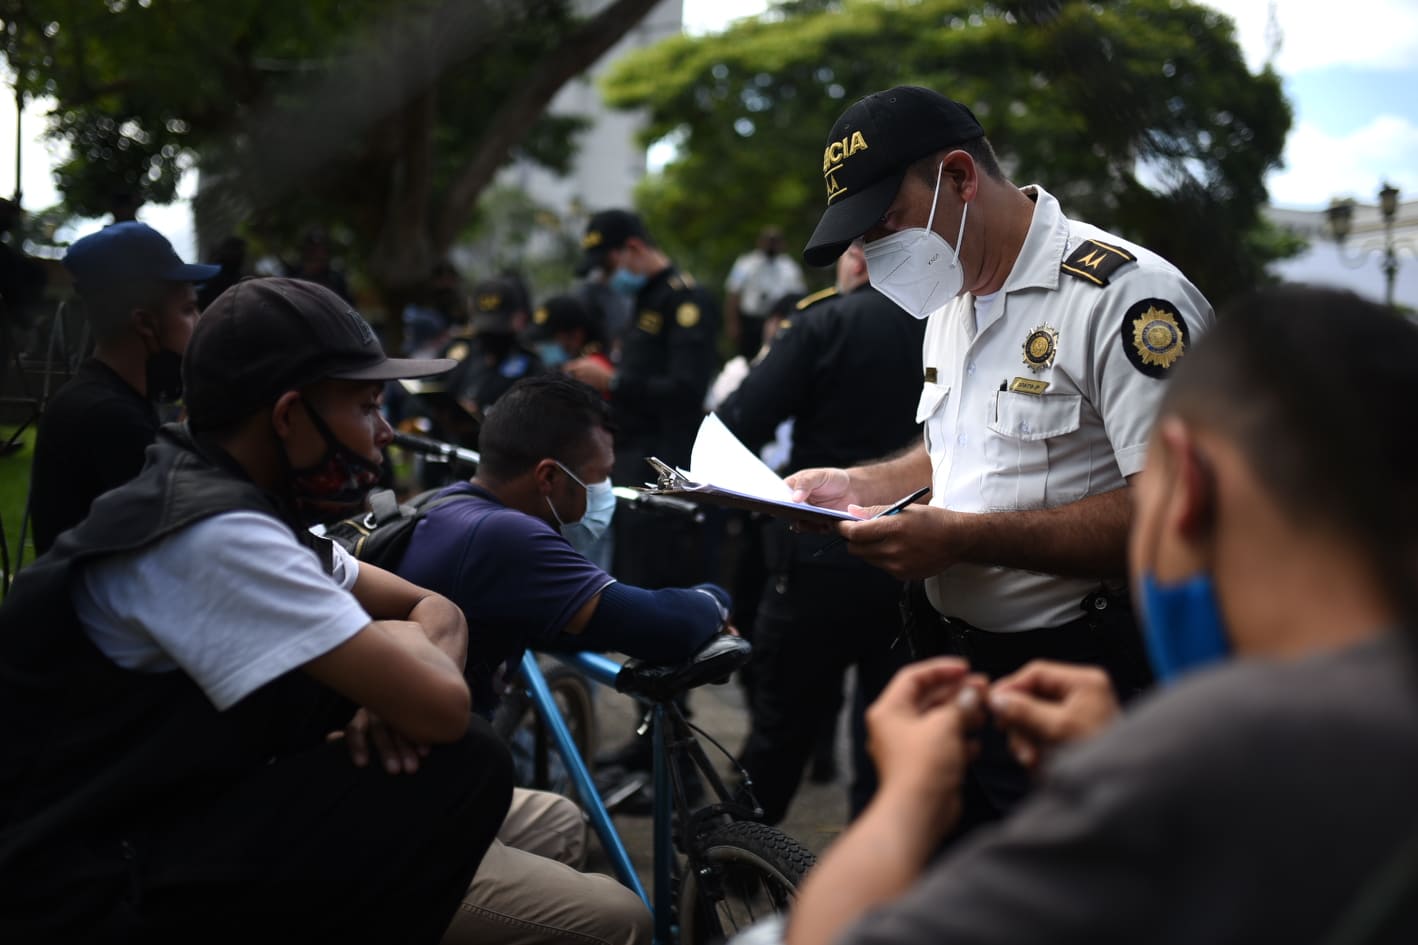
919,728
367,734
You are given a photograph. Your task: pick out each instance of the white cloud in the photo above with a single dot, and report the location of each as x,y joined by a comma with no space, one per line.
1377,34
1320,166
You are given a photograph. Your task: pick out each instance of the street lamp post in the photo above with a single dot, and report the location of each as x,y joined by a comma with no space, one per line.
1341,224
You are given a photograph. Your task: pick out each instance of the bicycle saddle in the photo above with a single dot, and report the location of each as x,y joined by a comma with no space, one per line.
714,662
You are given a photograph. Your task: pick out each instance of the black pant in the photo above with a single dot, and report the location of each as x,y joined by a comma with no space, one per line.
307,848
814,622
750,335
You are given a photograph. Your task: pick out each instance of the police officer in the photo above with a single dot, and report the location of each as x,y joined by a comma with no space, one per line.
1047,348
843,366
657,391
492,359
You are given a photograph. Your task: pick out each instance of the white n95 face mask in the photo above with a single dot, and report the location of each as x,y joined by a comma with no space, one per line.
916,268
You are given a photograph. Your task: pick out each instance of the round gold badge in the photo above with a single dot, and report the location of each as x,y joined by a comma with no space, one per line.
1154,336
687,315
1040,348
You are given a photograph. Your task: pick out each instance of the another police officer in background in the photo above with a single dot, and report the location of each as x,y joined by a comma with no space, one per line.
844,366
493,359
657,391
1046,352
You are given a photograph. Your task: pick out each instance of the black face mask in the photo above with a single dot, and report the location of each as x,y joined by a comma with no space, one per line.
335,486
164,376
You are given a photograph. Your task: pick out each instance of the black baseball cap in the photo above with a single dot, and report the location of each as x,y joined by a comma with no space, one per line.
867,153
495,302
263,337
606,231
128,253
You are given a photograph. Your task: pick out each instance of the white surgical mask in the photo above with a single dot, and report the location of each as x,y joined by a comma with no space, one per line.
600,508
916,268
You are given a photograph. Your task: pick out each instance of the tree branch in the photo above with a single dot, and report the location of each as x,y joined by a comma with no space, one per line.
511,122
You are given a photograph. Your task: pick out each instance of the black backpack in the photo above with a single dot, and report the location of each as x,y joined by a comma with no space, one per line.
381,535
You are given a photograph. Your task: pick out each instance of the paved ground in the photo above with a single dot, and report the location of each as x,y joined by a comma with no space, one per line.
818,811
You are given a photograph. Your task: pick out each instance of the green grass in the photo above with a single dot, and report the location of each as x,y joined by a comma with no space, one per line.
14,488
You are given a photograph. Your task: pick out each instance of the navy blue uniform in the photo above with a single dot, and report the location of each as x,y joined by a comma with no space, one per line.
847,370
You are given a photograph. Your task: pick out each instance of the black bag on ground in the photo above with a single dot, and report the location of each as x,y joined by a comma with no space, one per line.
381,535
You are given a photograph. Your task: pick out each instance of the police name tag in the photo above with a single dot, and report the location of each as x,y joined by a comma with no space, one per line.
1026,385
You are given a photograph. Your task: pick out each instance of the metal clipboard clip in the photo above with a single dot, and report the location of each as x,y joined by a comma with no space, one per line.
668,478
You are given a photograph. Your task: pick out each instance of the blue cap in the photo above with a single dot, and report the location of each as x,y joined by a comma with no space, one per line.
125,253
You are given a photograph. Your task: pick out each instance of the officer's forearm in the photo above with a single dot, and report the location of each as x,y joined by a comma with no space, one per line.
1087,538
885,481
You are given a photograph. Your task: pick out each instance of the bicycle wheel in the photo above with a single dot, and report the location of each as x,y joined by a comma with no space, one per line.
534,756
739,873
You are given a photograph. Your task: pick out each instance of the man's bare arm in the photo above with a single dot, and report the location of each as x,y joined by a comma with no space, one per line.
386,596
877,483
1087,538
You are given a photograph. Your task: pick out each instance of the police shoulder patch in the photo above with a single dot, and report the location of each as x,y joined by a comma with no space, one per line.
1154,336
687,315
1096,262
810,300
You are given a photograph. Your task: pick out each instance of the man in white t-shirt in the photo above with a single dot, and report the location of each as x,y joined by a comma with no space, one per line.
188,661
757,280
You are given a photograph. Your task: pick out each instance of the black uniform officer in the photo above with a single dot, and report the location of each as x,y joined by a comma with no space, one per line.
667,360
492,359
846,368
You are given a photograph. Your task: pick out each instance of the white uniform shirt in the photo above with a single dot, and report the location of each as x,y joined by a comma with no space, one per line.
998,441
761,280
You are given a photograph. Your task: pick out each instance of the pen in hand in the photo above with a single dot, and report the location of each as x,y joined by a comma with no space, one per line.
889,510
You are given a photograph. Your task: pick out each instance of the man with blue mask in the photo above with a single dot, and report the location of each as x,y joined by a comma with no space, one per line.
506,551
1048,344
1265,792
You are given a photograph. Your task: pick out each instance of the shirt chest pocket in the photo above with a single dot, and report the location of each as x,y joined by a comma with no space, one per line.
1018,446
930,411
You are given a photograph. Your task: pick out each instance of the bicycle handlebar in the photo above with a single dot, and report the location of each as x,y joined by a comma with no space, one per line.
459,455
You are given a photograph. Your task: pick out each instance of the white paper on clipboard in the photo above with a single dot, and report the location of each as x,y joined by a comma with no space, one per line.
725,472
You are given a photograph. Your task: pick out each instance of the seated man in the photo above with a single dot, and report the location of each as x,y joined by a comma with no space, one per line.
177,662
506,554
1275,524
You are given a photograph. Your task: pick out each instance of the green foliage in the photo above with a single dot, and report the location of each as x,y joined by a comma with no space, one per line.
381,120
1140,115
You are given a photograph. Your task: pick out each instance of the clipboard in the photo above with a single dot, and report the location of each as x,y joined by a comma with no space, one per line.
673,482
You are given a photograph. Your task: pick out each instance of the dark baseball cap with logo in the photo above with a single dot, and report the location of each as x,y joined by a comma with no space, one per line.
128,253
494,304
608,230
868,151
263,337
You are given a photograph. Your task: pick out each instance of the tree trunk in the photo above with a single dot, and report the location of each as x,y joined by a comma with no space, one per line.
518,114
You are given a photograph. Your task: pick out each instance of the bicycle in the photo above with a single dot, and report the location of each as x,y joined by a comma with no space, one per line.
734,868
717,869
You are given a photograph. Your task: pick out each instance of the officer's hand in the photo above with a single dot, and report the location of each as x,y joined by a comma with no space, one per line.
1049,704
590,371
917,732
915,543
399,754
822,487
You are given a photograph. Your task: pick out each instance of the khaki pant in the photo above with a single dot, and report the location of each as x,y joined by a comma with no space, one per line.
528,892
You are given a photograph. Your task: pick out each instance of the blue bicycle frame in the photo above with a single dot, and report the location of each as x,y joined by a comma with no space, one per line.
604,671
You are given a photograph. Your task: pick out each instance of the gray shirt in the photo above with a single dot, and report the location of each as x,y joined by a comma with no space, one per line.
1248,804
